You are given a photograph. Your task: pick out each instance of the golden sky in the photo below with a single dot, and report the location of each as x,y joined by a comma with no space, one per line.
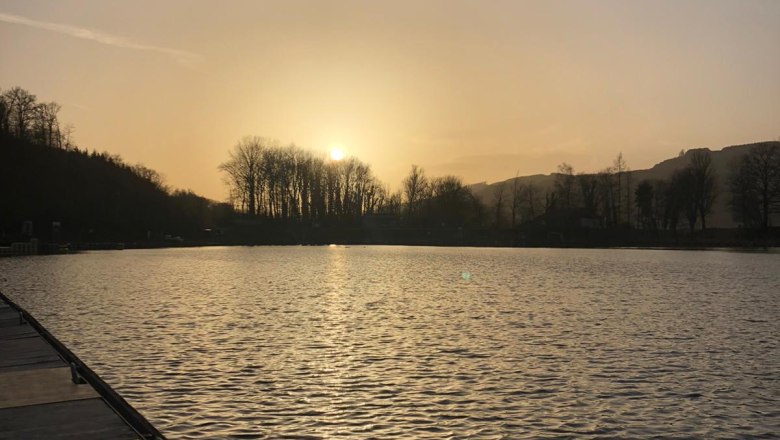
480,89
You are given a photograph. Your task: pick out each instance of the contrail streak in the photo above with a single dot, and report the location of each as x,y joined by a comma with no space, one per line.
181,56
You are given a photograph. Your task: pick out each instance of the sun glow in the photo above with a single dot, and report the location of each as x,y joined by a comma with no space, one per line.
336,152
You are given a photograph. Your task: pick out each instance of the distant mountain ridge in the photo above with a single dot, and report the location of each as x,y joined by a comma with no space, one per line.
723,162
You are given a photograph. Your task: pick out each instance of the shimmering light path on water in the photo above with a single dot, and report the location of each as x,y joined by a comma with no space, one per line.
386,342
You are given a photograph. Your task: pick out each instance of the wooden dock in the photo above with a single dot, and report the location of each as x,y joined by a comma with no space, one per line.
46,392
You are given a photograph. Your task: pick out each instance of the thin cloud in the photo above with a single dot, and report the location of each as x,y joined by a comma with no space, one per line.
181,56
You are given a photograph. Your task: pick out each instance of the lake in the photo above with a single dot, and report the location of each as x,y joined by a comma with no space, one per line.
414,342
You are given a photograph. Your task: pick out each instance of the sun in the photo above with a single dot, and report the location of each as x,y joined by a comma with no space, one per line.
336,152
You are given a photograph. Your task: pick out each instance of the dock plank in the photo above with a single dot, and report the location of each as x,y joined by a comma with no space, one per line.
78,419
16,332
27,353
9,313
43,385
10,321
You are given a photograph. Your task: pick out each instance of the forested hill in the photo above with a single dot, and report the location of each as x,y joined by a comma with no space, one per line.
55,192
72,195
725,163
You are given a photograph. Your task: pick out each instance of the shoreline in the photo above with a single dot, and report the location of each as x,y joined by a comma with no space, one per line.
770,249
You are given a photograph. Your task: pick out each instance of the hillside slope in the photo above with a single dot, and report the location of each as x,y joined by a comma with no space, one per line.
70,195
723,162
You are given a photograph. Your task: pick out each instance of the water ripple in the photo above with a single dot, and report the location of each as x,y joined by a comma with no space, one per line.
392,342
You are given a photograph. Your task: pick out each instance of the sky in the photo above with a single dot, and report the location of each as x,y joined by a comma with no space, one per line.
484,90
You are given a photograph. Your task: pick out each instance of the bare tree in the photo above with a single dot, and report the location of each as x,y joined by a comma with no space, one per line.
703,184
756,185
609,196
682,189
676,199
498,202
531,197
66,137
22,107
243,170
629,191
551,202
621,171
564,186
288,184
516,193
645,201
5,115
449,202
393,204
414,185
150,175
588,184
46,126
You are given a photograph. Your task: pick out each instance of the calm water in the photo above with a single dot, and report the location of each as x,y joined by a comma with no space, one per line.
390,342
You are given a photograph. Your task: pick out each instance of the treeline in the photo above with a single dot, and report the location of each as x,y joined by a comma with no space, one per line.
284,194
610,201
755,186
290,185
690,195
439,202
53,191
603,197
286,185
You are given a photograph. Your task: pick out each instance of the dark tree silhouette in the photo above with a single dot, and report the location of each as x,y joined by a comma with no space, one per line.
244,172
532,203
609,196
645,200
703,180
22,107
623,205
499,191
588,185
516,194
452,202
5,115
288,184
46,127
414,187
756,186
565,186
